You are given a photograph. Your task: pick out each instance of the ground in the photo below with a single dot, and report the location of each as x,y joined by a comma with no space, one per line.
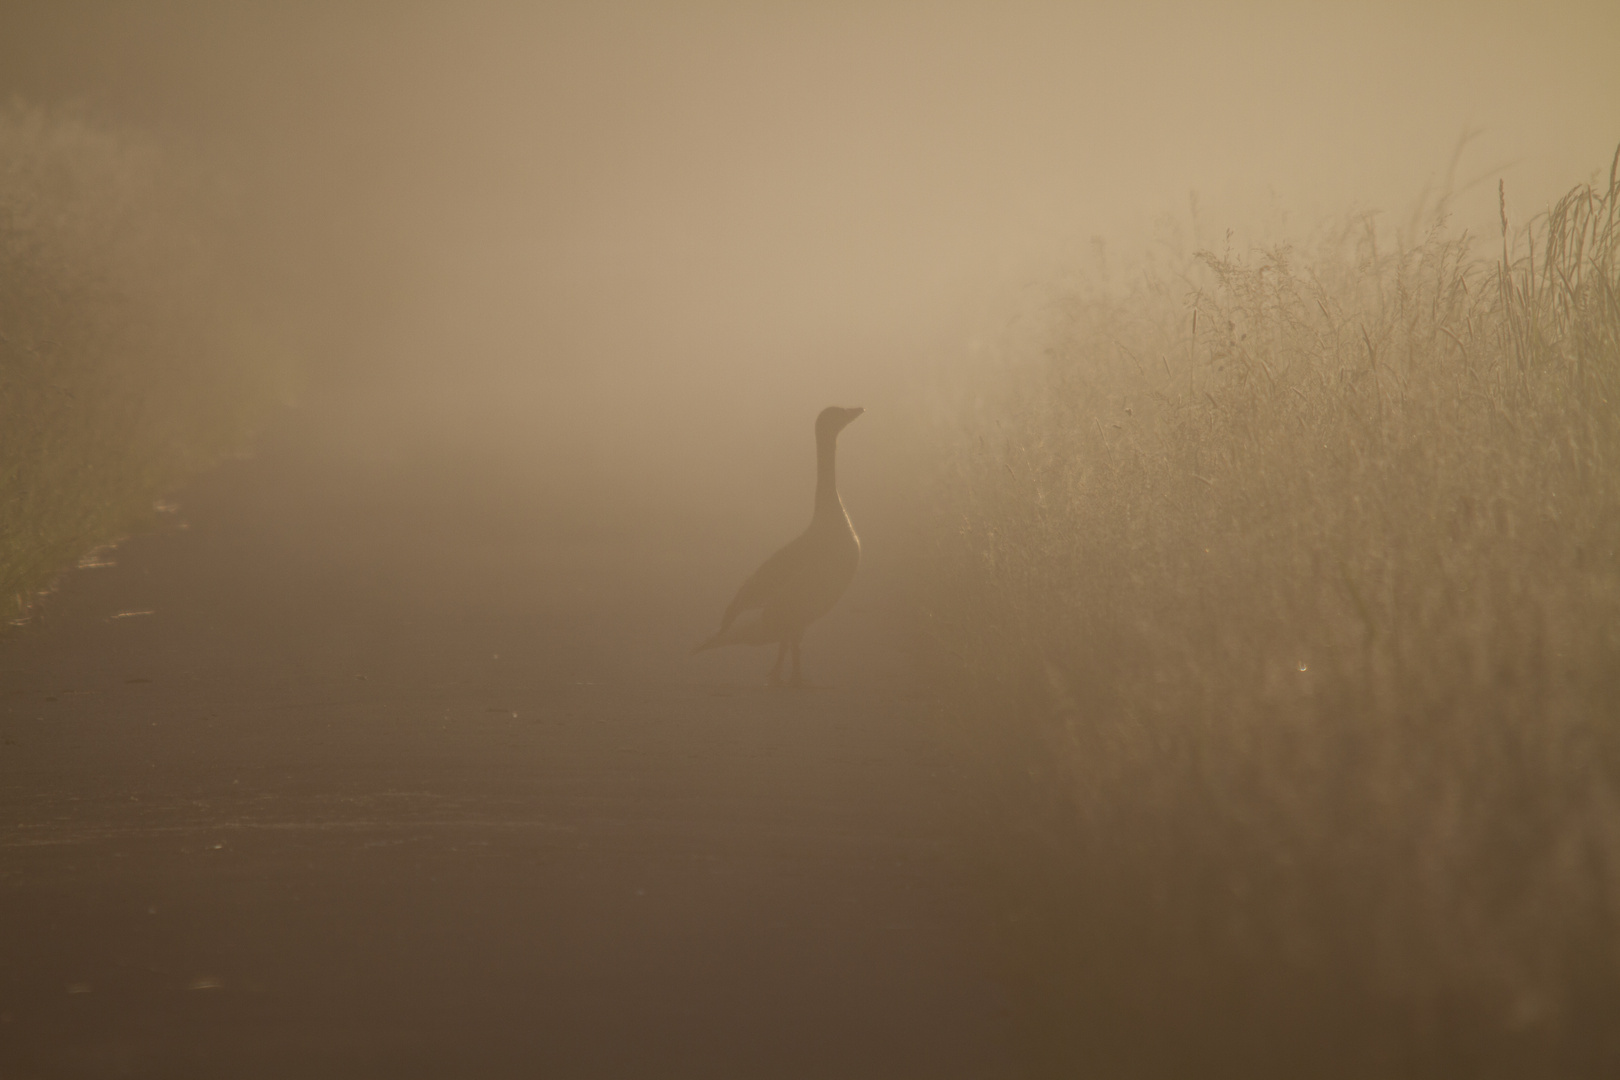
340,774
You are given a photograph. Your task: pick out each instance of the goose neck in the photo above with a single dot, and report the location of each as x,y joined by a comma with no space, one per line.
827,501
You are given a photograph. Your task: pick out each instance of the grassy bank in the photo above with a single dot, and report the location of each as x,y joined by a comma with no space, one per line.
124,365
1280,594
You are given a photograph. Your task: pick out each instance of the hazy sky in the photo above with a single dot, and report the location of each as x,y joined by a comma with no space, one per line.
754,209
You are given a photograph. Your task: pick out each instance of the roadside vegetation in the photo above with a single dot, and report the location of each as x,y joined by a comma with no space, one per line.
123,365
1278,598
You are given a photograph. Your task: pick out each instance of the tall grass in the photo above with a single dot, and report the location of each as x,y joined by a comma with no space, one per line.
1279,595
123,365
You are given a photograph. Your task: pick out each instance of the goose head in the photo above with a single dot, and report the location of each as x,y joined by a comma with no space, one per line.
833,419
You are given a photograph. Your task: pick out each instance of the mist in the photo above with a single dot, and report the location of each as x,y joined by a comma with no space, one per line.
639,241
1220,397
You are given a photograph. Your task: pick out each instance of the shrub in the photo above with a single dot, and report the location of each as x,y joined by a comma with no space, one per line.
1282,592
123,366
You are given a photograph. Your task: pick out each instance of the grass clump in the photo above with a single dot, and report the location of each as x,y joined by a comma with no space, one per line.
1281,595
123,365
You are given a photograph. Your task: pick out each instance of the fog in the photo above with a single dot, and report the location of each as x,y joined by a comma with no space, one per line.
1243,711
643,241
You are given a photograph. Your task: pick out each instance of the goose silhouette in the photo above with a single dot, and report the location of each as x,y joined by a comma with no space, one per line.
801,582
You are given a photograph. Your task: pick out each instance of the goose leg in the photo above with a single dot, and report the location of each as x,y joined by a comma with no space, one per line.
775,677
798,674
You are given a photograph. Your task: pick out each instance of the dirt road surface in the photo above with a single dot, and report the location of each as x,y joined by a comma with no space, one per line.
345,771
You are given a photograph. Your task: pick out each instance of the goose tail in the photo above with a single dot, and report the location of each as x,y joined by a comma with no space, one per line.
745,631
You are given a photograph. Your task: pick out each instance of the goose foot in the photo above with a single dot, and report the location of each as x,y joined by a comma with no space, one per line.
775,677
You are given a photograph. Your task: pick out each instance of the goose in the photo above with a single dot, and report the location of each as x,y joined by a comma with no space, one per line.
802,582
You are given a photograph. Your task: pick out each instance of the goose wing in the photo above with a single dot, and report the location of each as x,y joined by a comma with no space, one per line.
800,590
769,580
811,588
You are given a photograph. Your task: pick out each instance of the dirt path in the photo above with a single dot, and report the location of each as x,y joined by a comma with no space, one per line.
335,777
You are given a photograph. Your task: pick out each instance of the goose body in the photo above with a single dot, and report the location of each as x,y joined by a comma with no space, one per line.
802,581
